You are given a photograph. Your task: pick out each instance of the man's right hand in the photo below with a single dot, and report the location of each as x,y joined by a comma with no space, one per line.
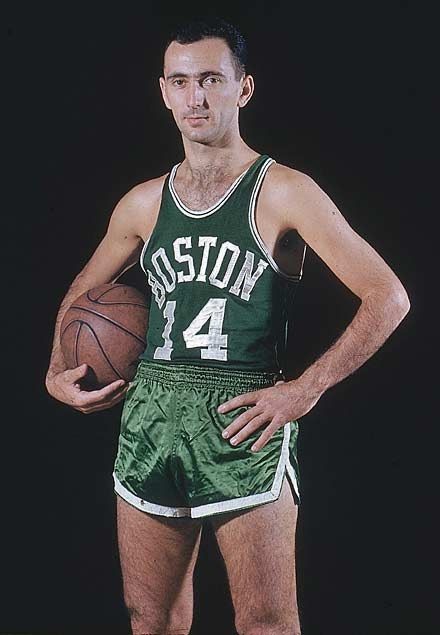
65,387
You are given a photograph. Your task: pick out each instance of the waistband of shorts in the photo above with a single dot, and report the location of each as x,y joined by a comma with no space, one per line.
191,375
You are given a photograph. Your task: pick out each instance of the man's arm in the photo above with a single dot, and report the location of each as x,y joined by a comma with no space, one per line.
384,301
384,304
132,219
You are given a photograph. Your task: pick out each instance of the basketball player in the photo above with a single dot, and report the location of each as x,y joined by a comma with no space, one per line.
210,423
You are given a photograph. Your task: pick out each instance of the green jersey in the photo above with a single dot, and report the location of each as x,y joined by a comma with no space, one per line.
218,298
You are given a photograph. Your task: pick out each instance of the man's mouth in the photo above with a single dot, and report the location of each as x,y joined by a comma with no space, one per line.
196,120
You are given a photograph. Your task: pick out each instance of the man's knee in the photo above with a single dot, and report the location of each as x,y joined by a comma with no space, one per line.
144,622
270,629
268,625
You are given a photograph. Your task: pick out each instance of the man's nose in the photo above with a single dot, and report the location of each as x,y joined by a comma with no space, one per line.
195,95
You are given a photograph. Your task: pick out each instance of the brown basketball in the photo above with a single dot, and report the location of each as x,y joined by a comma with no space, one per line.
105,328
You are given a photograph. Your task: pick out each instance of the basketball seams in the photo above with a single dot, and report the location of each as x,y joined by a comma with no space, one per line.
117,320
97,299
76,344
107,319
106,357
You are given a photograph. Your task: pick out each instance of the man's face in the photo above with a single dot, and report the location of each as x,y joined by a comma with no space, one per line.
200,87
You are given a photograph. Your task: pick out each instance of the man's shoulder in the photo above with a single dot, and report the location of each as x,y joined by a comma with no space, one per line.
281,177
147,192
137,210
284,186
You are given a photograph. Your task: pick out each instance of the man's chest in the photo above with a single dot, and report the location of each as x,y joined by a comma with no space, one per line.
203,195
284,244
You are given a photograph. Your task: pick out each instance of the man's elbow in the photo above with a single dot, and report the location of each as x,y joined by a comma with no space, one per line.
398,301
401,299
393,297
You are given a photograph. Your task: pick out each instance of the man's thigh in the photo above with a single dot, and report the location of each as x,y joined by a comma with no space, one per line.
258,547
157,558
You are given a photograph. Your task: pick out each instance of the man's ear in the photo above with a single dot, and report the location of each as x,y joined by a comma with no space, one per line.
163,91
247,89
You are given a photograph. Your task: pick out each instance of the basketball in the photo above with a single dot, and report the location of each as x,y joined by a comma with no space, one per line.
105,328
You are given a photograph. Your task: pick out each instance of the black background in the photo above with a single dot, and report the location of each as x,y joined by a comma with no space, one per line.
344,94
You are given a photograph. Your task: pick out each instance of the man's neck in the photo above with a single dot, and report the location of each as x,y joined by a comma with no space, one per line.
211,162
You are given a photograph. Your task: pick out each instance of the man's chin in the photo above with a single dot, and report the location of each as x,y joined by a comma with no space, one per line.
200,136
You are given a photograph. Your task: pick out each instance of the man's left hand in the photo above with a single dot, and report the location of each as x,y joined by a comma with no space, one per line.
272,408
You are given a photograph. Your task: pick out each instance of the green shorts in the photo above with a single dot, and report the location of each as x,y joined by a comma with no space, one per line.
172,459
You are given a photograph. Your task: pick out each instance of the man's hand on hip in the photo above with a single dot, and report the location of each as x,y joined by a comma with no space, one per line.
271,408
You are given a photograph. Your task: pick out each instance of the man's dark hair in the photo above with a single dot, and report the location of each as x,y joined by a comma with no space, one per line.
198,29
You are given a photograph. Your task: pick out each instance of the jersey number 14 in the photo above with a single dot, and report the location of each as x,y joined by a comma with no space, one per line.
213,344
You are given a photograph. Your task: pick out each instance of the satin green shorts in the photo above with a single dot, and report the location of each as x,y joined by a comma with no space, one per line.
172,459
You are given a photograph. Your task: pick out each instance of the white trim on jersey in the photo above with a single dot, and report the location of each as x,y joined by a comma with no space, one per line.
141,257
284,467
253,225
203,212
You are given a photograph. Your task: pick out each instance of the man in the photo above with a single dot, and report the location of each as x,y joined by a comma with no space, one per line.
209,424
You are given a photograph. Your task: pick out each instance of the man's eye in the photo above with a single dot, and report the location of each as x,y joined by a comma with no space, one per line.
212,80
178,82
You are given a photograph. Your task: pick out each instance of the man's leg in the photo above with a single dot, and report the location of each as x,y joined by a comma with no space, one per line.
258,547
157,557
